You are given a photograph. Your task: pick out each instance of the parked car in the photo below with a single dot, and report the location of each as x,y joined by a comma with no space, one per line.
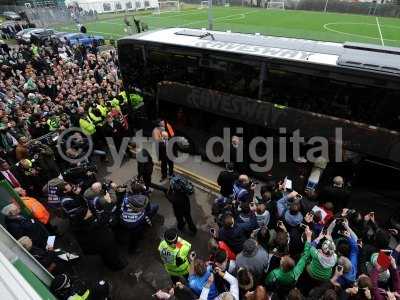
41,35
59,36
83,39
24,36
11,15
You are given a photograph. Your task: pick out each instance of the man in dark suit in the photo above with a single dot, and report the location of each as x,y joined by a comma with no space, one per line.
7,174
167,165
144,166
338,194
226,179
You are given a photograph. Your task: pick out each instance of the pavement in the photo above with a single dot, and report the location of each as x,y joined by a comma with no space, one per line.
144,273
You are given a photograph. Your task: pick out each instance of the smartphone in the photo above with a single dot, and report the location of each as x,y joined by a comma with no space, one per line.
287,184
279,223
387,252
304,226
339,268
212,231
50,241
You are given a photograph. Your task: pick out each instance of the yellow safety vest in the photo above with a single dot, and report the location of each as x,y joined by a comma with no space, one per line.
123,94
94,118
87,126
169,254
103,110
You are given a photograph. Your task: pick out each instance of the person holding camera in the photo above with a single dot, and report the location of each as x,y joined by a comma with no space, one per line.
44,159
102,201
178,194
73,204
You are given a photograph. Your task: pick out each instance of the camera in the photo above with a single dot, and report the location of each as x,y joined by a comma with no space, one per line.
106,186
80,171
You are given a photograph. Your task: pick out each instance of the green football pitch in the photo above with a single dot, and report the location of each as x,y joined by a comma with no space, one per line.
334,27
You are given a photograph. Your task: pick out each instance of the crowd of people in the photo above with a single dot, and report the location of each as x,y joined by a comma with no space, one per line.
283,245
274,245
44,91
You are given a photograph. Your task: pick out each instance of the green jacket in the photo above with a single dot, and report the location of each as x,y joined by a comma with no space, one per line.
315,269
170,254
288,278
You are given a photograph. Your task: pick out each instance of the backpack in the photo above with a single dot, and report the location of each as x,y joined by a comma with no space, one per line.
179,183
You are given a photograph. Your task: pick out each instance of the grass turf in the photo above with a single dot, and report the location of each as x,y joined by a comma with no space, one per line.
289,23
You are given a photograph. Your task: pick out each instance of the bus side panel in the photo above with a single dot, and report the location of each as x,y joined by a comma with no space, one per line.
356,136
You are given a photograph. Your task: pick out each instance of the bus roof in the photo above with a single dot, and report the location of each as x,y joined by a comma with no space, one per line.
354,55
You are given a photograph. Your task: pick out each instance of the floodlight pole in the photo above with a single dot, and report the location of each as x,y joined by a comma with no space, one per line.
210,17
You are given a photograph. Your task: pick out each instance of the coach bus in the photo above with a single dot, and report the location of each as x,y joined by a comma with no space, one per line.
218,79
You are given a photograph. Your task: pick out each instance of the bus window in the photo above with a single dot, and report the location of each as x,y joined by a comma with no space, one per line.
230,76
366,104
169,66
132,65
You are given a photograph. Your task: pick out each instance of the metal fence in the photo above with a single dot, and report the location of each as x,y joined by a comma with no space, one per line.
50,16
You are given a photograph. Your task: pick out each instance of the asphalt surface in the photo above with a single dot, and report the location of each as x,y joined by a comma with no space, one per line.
144,273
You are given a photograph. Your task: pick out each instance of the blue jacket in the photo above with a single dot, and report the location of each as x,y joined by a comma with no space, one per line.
283,211
349,278
196,283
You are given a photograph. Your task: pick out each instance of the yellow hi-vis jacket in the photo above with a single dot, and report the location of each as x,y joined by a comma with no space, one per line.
96,120
103,110
87,125
170,254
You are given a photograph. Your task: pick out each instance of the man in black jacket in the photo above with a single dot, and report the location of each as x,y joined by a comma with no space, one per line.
226,179
18,226
338,194
144,166
181,206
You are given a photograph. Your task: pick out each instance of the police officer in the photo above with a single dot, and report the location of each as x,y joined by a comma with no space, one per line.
102,203
174,252
136,212
85,123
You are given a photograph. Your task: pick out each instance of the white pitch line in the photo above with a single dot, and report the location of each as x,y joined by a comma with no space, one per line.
224,18
380,32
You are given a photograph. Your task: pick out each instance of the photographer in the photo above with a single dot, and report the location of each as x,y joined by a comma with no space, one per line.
73,204
44,159
102,201
136,212
82,174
